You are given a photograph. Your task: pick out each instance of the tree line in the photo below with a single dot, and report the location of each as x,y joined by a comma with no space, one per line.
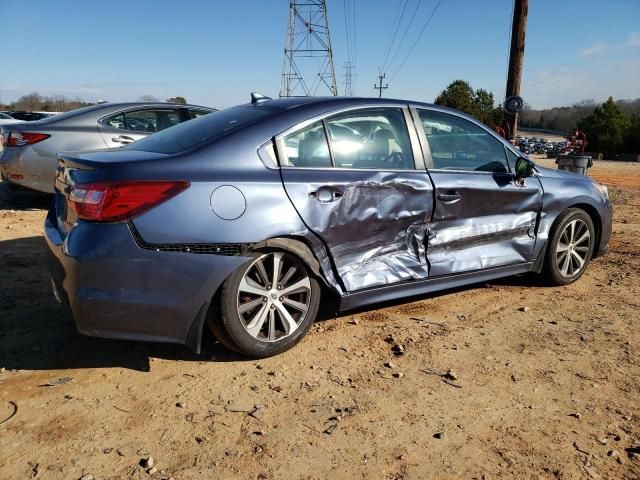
34,102
611,128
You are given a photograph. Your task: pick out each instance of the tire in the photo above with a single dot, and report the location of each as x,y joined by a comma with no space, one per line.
569,251
258,317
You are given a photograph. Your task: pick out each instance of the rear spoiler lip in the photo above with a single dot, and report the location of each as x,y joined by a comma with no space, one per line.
74,160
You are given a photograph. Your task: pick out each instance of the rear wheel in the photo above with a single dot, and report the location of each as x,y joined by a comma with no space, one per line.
266,306
570,247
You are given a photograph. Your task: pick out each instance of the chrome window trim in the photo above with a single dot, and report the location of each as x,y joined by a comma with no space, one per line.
471,120
323,117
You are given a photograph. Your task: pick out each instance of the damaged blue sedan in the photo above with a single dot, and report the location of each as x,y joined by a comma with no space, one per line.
245,220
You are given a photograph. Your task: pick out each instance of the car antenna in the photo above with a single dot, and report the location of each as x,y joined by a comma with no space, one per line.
258,98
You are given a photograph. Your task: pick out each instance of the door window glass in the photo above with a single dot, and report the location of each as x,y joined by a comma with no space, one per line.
375,138
307,148
458,144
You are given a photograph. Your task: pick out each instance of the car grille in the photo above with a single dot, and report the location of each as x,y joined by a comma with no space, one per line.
226,249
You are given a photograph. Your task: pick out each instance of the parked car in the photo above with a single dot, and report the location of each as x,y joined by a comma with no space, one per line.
28,150
7,119
247,219
27,116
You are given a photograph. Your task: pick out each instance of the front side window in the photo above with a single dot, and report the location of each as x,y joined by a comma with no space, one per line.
373,138
458,144
307,148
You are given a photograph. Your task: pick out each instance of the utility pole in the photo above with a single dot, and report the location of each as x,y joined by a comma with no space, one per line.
380,86
516,59
308,58
348,79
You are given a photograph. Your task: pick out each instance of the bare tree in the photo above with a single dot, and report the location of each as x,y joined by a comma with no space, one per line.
147,98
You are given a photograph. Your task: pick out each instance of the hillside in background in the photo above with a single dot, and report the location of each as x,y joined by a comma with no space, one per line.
565,119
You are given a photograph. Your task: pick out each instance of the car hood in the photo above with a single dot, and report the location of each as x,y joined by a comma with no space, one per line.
554,173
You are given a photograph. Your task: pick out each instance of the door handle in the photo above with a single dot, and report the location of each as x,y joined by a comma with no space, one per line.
450,196
122,139
326,194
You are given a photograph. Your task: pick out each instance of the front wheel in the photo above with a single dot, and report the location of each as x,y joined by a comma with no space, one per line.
266,306
570,247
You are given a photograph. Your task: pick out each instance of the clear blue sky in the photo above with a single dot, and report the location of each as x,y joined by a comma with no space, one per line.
215,52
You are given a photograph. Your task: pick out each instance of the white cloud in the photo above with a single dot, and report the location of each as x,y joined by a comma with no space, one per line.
597,49
564,85
600,48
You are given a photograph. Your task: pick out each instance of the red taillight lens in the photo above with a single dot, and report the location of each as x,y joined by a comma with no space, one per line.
20,139
119,201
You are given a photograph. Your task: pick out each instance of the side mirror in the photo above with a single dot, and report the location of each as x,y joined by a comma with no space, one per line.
524,168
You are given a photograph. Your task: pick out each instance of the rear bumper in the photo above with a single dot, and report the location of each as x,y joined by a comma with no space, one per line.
116,289
13,168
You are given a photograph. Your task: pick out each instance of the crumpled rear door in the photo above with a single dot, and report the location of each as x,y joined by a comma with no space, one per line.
372,221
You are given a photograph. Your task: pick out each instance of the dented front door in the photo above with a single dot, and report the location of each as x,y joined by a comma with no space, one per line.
482,217
362,193
481,221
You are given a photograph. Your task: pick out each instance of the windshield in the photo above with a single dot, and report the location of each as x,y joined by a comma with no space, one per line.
200,130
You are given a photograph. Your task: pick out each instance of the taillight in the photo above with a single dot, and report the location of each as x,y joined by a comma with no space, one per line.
20,139
120,201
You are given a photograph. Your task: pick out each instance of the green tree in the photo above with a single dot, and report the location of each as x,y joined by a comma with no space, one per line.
180,100
479,103
632,135
459,95
605,128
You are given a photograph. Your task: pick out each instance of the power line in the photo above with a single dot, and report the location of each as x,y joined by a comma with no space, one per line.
353,36
417,40
347,27
394,29
404,36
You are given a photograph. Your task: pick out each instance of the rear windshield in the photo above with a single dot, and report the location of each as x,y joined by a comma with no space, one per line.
200,130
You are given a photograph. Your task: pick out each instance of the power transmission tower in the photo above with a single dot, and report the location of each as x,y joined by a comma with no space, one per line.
308,58
348,79
380,86
516,59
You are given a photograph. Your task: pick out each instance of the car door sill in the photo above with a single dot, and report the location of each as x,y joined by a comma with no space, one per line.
420,287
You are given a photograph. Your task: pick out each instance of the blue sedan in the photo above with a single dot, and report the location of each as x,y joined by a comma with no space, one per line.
244,220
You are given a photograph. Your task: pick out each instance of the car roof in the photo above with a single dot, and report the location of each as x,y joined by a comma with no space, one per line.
293,102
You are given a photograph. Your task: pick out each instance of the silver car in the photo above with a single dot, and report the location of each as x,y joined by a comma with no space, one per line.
28,150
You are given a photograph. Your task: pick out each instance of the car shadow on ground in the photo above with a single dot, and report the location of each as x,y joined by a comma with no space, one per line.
37,333
15,198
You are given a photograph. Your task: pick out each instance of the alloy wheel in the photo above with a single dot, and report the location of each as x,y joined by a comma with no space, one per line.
573,248
273,296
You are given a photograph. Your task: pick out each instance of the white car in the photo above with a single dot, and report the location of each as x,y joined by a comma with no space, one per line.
6,119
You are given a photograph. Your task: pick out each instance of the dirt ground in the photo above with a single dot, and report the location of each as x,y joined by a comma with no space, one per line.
547,381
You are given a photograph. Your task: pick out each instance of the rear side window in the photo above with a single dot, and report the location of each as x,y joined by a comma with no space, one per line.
203,129
144,120
458,144
307,148
195,113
